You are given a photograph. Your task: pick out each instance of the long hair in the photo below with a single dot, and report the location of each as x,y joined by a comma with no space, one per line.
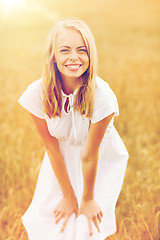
52,94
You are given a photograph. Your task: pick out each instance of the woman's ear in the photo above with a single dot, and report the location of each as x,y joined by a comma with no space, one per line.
54,59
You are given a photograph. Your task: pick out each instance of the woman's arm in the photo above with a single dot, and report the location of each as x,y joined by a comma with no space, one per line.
89,156
68,204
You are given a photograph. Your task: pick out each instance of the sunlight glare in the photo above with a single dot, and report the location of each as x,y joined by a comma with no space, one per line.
10,3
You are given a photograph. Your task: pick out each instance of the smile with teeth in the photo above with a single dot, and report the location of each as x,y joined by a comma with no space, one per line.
73,66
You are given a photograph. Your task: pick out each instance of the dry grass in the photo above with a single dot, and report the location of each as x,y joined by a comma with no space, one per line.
128,42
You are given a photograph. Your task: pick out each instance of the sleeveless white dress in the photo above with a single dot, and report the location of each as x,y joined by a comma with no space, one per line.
71,130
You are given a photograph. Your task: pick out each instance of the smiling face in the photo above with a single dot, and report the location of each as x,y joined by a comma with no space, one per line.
71,54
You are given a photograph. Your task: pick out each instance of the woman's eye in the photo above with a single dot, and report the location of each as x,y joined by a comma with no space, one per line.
82,50
64,50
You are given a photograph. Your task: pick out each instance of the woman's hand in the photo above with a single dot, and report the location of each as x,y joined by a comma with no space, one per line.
93,213
65,208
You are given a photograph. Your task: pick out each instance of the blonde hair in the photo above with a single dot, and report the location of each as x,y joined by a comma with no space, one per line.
52,94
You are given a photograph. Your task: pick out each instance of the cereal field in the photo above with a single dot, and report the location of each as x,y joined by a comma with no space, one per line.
127,34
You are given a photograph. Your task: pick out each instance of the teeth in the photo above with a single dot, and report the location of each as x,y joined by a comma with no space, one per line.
73,66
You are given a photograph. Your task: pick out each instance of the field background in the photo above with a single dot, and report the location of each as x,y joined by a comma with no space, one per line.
127,34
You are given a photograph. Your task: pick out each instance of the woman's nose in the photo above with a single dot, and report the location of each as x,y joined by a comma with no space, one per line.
73,56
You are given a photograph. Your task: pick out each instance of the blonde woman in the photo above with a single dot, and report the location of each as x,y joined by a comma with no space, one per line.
85,161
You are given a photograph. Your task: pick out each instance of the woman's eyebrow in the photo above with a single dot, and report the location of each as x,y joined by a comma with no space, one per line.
81,47
69,47
64,47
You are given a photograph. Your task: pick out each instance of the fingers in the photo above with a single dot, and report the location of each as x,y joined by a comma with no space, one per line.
90,227
56,213
96,223
58,217
99,216
64,224
101,213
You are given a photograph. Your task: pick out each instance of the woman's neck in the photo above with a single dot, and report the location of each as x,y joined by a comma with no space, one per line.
69,85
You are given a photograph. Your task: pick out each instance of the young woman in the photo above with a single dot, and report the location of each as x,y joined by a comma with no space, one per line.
85,161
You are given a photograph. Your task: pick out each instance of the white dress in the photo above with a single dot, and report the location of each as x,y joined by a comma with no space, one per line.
71,130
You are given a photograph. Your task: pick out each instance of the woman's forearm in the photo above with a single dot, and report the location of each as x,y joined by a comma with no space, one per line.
60,171
90,154
89,168
55,156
